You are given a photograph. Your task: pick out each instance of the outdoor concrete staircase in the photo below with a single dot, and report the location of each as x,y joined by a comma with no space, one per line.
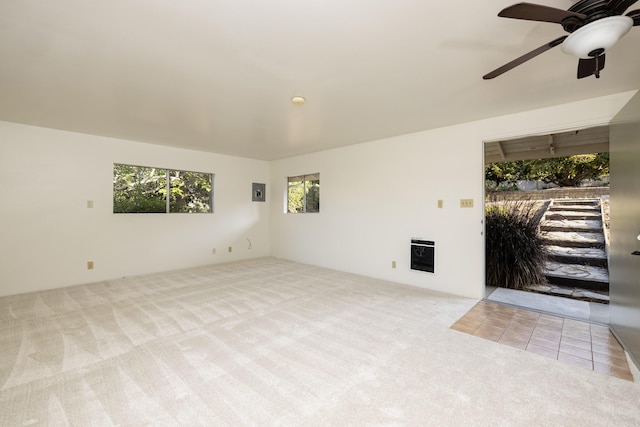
573,232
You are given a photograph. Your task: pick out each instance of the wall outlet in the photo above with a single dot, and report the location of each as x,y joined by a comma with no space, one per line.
230,249
466,203
213,251
89,204
393,264
440,204
89,265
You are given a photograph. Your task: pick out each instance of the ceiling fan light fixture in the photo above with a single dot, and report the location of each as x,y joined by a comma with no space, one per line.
597,37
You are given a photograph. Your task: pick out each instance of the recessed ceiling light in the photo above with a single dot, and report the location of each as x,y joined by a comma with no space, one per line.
297,100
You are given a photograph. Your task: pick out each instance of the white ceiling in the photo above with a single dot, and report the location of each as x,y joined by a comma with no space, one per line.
218,75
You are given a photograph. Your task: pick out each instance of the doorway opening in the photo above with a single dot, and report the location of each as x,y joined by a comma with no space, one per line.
571,221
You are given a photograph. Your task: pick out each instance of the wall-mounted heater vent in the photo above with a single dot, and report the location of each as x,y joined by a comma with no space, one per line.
423,254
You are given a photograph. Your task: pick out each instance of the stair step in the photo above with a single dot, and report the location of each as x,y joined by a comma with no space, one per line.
588,202
576,239
576,208
583,276
572,215
576,255
573,233
571,292
571,225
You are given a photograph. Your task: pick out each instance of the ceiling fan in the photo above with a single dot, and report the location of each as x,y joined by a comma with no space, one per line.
594,27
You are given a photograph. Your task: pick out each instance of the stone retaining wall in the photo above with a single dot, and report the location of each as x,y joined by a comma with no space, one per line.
551,193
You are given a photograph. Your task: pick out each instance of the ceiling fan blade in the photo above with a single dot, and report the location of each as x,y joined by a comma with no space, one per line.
536,12
635,15
524,58
620,6
591,66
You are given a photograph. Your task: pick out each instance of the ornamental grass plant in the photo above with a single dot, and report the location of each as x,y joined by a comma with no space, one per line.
515,254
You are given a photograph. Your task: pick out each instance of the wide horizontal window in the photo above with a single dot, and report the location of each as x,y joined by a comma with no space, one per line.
143,189
303,193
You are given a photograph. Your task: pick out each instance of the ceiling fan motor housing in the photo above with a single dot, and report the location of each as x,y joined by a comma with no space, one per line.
594,10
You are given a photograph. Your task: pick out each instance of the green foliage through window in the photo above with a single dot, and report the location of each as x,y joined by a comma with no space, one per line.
140,189
303,193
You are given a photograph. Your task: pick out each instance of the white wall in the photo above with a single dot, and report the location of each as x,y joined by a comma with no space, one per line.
376,196
48,234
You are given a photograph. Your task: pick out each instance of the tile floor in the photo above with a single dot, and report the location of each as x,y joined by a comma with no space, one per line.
571,341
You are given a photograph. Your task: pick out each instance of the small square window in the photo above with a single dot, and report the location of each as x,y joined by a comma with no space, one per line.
303,193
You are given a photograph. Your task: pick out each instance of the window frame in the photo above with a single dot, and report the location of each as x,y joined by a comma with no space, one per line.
168,174
304,184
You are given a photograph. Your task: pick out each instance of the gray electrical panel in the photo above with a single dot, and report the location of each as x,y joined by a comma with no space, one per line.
258,192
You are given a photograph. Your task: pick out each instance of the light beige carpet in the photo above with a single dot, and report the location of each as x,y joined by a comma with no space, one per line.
271,342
